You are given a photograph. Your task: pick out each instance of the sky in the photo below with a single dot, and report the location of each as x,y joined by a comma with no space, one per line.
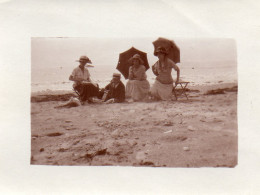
62,52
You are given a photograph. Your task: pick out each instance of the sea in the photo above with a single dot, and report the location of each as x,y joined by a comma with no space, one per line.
203,62
57,78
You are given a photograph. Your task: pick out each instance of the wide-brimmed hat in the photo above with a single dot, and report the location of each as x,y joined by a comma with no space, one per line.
136,56
84,58
116,75
160,50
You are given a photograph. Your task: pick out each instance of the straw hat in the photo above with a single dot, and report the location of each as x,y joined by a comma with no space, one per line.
136,56
160,50
84,58
116,75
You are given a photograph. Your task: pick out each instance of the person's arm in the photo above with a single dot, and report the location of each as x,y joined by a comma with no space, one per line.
74,78
131,74
154,69
177,69
71,78
89,79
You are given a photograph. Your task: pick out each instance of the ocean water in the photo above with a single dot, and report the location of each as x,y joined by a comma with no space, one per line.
57,78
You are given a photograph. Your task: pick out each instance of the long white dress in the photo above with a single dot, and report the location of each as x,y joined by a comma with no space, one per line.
137,86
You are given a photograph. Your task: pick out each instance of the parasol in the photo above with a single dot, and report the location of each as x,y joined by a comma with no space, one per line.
123,62
170,46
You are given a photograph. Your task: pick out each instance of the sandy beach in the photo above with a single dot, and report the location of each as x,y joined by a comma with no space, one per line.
199,132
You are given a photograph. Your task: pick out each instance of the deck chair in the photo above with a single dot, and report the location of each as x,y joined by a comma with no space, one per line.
180,89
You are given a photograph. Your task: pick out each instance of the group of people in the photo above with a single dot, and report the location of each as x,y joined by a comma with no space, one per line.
137,88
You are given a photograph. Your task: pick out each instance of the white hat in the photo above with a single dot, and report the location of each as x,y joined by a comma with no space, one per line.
136,56
84,58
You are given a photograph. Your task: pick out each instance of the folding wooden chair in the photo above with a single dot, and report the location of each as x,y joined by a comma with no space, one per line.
181,88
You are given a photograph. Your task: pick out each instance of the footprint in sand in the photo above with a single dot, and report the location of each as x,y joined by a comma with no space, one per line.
54,134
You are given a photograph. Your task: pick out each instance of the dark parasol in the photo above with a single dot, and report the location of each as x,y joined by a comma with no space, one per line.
124,64
170,46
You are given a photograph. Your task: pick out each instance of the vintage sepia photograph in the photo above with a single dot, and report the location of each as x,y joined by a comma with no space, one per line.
141,102
129,97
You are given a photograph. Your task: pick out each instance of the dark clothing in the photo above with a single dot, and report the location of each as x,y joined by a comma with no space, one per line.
115,91
86,91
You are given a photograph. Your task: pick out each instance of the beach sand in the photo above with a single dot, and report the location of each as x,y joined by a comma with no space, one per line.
199,132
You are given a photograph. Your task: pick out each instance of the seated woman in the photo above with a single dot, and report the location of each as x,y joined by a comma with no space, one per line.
163,85
82,82
114,92
137,86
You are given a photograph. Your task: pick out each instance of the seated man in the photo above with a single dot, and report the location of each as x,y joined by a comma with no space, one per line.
82,82
114,92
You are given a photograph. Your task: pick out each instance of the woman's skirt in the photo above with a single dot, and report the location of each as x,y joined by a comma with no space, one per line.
86,91
162,91
137,90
